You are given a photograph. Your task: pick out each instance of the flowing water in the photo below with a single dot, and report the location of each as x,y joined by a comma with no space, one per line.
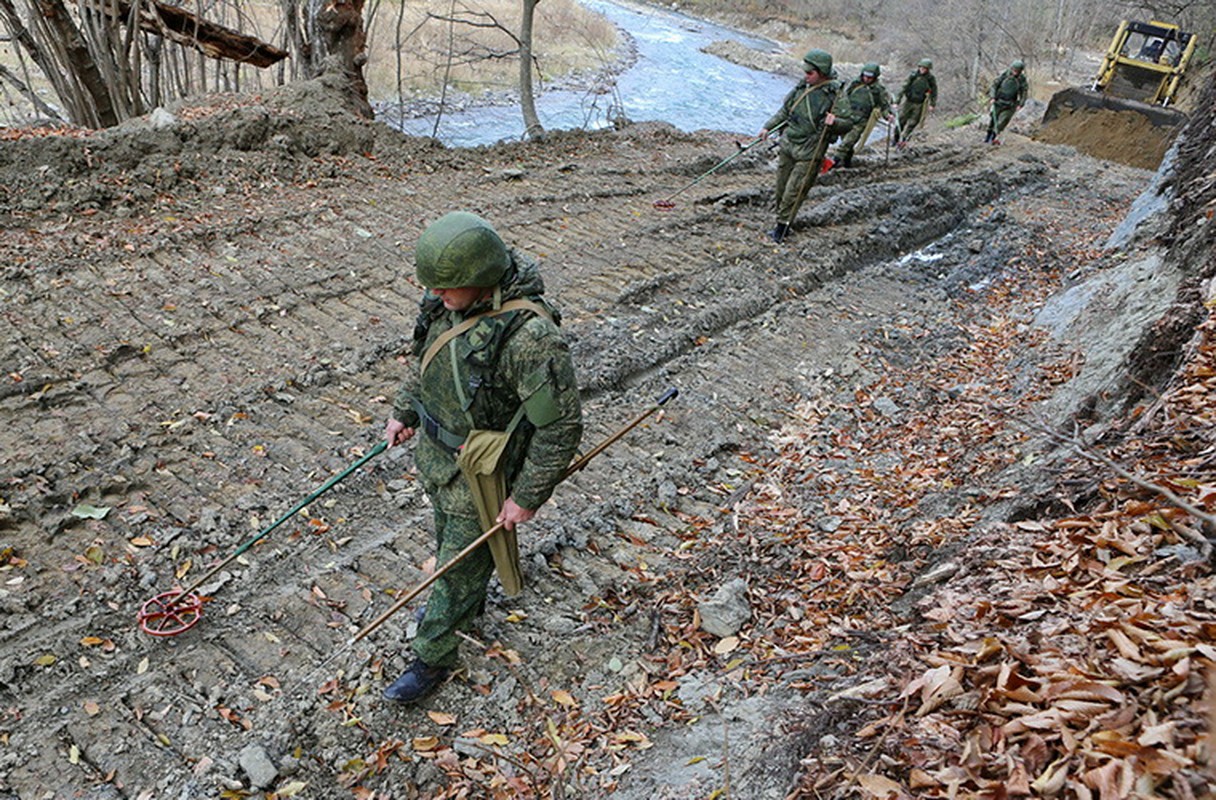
672,80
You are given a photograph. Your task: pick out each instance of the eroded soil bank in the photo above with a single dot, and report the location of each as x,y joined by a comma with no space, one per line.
205,319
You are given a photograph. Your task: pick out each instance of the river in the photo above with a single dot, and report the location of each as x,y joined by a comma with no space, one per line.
672,80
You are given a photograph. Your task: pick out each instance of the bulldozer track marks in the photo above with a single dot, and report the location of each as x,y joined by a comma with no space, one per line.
223,366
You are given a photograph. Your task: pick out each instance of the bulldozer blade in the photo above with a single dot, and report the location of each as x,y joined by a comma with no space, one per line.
1121,130
1070,101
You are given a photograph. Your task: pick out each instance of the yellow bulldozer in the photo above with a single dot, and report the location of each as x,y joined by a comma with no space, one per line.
1128,114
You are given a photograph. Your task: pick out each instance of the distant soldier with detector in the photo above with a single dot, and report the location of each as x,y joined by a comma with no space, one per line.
1007,95
814,114
917,97
867,97
496,398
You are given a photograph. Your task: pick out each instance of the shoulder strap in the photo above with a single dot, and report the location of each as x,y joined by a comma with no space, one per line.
801,97
451,333
810,111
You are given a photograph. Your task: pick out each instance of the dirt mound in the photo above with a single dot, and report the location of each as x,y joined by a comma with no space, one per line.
1122,136
273,136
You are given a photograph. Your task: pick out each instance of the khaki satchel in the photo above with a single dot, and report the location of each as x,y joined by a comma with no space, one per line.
478,460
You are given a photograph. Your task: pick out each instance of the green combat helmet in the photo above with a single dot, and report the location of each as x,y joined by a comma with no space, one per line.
460,249
927,63
870,70
1019,65
821,60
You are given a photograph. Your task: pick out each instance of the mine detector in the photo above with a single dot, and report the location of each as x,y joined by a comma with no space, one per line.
1141,72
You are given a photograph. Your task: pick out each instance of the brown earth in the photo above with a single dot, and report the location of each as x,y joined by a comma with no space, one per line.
205,318
1123,136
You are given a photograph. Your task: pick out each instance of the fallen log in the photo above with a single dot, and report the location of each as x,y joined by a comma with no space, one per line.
209,38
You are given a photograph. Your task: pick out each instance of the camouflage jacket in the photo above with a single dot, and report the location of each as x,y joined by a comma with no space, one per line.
1009,89
918,87
865,97
803,112
500,362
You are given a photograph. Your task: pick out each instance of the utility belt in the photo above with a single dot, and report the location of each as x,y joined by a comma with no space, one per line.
448,441
451,443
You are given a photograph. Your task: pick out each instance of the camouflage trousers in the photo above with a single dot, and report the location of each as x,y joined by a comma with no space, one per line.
910,114
848,145
459,596
1000,117
794,179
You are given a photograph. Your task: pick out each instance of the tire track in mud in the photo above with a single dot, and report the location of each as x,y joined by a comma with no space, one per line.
305,313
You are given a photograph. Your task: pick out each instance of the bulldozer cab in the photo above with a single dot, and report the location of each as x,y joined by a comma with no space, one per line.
1145,62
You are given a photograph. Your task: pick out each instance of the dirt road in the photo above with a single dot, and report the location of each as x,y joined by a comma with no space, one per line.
205,320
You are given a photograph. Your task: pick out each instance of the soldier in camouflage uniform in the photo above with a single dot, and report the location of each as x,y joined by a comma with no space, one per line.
506,369
1007,95
918,96
813,115
866,95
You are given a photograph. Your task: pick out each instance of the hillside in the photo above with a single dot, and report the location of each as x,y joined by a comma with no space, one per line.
872,457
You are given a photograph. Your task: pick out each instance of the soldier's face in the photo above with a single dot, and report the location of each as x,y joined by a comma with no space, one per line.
460,298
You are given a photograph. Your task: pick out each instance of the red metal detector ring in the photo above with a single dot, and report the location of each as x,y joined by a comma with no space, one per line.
179,610
170,613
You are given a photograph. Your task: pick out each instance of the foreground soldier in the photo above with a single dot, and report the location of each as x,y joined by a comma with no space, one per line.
814,115
497,401
919,96
866,96
1007,95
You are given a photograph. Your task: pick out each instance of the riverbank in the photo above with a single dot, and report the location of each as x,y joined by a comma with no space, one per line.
592,81
665,69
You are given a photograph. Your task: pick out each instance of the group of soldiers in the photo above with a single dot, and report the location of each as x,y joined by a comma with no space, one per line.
821,109
494,397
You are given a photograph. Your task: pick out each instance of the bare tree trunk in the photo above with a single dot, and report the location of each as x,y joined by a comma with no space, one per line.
298,42
447,69
63,86
28,93
154,51
79,61
527,102
341,23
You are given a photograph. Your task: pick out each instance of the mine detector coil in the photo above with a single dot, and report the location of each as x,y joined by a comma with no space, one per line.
1145,62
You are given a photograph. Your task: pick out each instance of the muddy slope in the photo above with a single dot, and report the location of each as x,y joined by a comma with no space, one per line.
197,337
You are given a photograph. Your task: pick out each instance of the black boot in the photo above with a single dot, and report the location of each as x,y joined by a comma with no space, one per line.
777,234
847,161
989,136
416,682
